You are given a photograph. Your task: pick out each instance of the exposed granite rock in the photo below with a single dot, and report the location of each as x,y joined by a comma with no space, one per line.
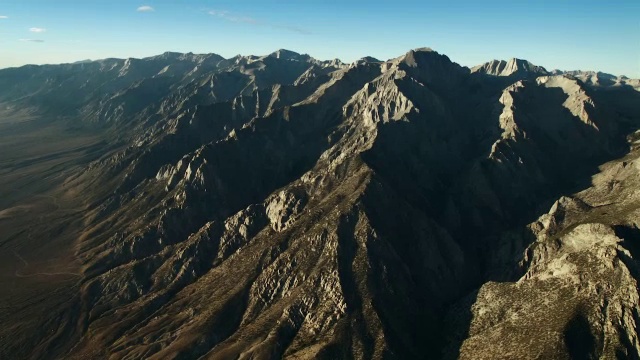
283,208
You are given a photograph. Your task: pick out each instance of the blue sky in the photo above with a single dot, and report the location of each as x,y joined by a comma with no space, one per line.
565,34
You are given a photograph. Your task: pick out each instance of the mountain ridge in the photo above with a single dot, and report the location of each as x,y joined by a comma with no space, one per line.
282,207
298,55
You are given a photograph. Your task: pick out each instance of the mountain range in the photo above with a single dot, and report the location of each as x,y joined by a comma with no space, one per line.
189,206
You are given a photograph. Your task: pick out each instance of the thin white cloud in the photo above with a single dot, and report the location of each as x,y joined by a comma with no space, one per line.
3,17
31,40
145,8
220,13
229,16
37,30
296,29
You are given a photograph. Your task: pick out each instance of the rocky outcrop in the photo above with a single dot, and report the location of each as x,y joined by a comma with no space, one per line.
514,68
580,281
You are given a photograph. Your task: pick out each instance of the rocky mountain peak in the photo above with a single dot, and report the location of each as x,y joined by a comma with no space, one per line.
512,67
429,67
170,55
369,59
366,60
418,57
289,55
335,63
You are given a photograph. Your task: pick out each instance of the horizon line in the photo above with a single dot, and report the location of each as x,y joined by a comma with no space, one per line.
302,54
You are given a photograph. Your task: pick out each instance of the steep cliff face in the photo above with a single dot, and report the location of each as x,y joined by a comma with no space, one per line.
578,296
280,206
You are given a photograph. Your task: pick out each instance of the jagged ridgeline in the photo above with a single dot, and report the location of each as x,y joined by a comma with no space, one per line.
266,207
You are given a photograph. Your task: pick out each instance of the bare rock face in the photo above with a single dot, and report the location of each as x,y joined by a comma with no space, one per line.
278,206
513,67
283,209
584,294
580,280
